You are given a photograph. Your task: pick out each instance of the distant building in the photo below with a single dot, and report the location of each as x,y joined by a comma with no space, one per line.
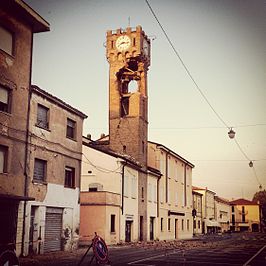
209,223
54,163
197,206
245,215
18,23
222,213
174,192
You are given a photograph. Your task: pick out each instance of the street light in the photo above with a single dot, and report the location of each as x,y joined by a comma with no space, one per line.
231,133
250,164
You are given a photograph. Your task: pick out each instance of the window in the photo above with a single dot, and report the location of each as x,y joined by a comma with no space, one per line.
149,192
133,187
126,186
188,225
124,106
161,194
42,116
169,224
112,223
71,128
233,208
39,170
243,214
182,225
154,193
161,224
3,159
142,192
93,189
198,224
70,177
6,41
4,100
176,198
194,224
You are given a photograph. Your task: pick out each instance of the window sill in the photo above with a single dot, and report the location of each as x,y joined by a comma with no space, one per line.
73,139
70,187
39,182
45,128
113,233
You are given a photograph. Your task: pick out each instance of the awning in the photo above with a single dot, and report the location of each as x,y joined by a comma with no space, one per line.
15,197
212,223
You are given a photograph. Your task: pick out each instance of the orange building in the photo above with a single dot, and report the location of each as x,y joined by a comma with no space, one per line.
245,215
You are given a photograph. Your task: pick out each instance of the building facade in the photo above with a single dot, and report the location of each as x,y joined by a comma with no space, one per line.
245,216
109,195
174,192
209,223
198,216
54,163
18,23
222,213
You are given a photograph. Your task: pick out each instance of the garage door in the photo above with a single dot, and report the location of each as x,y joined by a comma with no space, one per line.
53,229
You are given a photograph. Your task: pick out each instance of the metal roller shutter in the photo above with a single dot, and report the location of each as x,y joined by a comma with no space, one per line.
53,229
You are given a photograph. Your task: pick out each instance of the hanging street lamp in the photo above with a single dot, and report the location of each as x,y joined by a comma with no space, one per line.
231,133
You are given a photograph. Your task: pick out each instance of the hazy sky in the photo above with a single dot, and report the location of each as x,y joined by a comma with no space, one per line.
221,42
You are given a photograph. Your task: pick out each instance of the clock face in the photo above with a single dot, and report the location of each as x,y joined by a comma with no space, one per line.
123,43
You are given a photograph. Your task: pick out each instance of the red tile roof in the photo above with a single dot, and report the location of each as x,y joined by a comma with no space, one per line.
243,202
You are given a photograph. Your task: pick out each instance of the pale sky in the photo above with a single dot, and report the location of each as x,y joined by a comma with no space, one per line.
222,43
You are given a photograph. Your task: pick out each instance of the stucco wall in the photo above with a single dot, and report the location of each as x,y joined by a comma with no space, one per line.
15,76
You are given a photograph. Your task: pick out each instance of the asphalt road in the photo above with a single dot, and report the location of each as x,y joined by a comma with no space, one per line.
234,249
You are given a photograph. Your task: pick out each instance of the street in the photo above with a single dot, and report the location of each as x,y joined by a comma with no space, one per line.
227,249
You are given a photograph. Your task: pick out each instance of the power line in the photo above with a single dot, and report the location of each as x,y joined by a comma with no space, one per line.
203,127
197,86
185,67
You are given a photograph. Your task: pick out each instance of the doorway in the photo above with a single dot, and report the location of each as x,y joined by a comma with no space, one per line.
176,228
140,228
128,231
151,228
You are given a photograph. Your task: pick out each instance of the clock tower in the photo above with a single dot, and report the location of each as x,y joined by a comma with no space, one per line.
128,54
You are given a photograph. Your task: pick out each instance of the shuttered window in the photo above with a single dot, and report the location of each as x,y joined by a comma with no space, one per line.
71,129
42,116
4,100
39,170
70,177
112,223
3,159
6,41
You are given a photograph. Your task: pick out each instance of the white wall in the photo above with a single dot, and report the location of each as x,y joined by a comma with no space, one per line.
60,197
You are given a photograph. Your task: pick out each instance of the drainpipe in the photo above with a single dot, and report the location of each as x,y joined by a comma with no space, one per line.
185,185
123,181
26,154
158,195
166,177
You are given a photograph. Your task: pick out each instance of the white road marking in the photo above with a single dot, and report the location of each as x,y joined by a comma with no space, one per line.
150,258
253,257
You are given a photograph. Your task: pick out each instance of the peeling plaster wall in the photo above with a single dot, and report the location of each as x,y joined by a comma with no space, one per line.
58,197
